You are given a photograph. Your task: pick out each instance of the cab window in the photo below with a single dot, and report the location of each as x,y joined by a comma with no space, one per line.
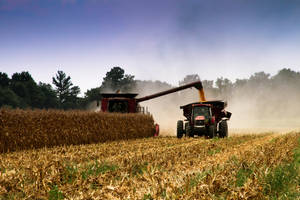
202,111
119,106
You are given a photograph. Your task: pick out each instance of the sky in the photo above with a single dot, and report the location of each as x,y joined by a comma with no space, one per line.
151,39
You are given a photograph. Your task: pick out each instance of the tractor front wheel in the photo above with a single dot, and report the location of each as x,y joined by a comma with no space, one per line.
189,131
212,131
179,129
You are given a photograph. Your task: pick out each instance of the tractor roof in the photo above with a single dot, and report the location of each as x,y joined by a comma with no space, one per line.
114,95
213,103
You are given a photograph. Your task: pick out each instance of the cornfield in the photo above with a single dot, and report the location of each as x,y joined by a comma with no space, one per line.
260,166
29,129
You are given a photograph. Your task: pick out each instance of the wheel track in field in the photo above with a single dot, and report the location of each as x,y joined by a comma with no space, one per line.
259,160
160,155
90,152
176,177
112,151
221,158
157,155
186,147
102,152
177,159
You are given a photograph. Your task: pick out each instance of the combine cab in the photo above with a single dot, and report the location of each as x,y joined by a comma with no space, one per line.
204,118
119,102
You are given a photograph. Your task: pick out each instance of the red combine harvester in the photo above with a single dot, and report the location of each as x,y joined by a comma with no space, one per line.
128,103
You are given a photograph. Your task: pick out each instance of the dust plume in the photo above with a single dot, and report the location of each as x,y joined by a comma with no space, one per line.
258,104
93,106
265,103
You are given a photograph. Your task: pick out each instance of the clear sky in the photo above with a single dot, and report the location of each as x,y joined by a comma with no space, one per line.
151,39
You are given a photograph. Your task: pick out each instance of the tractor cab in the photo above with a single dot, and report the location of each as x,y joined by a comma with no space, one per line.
201,115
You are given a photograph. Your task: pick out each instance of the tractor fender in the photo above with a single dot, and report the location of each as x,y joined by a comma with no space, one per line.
226,115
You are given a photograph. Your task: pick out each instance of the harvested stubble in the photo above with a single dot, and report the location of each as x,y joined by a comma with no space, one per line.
149,168
28,129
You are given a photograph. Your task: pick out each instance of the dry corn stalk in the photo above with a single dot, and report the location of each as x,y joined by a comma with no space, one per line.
27,129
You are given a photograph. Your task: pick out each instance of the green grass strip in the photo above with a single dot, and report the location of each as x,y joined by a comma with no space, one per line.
282,181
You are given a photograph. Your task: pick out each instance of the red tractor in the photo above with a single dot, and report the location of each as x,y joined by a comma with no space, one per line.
206,118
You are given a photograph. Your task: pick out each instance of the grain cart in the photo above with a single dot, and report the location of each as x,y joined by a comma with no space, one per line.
206,118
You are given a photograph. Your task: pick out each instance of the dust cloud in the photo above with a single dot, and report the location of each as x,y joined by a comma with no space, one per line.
265,107
92,106
269,104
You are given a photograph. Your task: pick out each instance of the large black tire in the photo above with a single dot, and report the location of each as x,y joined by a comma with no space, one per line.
179,128
223,129
212,131
189,131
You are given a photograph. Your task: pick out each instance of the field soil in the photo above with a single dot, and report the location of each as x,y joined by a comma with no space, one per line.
238,167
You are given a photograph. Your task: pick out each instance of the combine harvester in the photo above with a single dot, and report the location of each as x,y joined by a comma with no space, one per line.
202,118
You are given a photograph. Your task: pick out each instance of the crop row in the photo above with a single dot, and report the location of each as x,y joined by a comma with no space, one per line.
30,129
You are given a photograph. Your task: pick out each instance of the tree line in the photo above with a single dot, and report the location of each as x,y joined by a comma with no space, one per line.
21,91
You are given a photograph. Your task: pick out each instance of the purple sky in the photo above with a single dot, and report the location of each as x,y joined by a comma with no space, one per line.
151,39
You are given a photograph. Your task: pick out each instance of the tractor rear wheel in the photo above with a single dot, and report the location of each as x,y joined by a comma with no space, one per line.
189,131
179,128
212,131
223,129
